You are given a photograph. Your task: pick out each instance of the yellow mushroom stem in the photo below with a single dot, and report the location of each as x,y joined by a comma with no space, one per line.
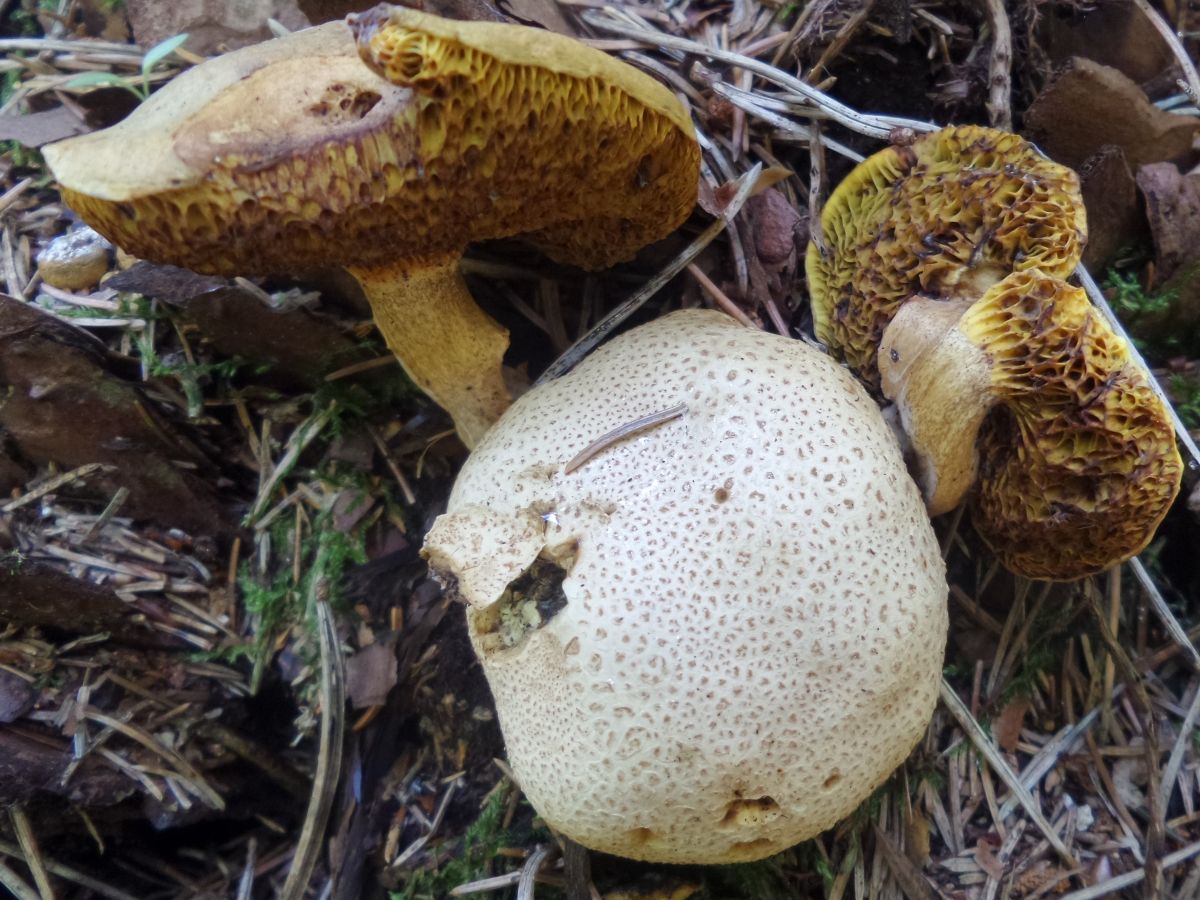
941,385
449,347
1028,395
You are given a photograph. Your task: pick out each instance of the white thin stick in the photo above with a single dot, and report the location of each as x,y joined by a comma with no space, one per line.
751,104
1109,888
1171,772
983,743
1098,298
1163,610
870,125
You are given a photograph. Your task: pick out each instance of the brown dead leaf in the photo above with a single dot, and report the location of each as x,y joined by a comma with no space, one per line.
776,225
63,405
1114,216
213,26
1115,33
1089,105
36,129
916,839
371,674
1007,727
1173,209
987,859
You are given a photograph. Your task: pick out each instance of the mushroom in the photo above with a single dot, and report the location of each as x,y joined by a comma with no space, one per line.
1076,452
704,591
944,217
940,283
294,155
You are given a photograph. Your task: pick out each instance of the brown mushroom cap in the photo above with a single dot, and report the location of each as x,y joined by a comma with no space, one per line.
719,634
945,217
294,155
1077,463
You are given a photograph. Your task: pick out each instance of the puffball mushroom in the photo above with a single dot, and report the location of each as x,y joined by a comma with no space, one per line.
940,281
295,155
715,632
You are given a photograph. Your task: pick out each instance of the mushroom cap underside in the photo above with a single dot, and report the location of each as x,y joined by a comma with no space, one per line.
294,155
1078,462
752,615
945,217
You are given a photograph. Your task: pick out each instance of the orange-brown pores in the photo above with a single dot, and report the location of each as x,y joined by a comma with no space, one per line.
718,635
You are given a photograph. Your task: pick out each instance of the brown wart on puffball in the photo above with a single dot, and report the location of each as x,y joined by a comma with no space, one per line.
718,632
296,155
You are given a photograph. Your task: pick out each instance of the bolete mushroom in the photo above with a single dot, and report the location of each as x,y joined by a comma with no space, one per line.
294,155
940,282
714,631
1076,453
944,217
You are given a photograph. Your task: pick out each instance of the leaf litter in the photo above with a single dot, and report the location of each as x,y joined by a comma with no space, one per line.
192,580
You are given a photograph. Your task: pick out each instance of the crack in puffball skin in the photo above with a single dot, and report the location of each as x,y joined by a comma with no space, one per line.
755,609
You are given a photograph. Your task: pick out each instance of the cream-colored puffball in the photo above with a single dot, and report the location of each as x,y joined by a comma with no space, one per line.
749,634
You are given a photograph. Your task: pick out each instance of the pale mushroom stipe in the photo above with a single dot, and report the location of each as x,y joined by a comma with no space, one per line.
296,155
941,283
723,628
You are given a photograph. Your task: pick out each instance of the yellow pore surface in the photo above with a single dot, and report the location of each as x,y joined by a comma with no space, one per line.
308,159
1078,465
946,217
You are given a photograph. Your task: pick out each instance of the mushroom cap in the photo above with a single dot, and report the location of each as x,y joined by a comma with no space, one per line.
946,217
749,631
294,155
1078,464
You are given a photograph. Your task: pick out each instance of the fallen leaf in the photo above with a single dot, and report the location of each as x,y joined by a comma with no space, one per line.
1007,727
1114,216
37,129
16,697
1173,210
916,839
371,674
987,859
1115,33
212,26
1088,105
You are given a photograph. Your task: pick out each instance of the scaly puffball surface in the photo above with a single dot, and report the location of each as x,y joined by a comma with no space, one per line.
755,604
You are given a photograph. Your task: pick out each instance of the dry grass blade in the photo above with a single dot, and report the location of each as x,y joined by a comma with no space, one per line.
1175,761
529,871
1167,617
912,882
73,875
872,126
329,756
585,345
1109,888
184,769
304,435
984,745
19,888
52,484
30,851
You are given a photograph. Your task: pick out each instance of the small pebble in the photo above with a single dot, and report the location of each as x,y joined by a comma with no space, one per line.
75,261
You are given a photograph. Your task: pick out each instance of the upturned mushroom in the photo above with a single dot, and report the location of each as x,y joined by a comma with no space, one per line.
940,282
944,217
703,589
295,155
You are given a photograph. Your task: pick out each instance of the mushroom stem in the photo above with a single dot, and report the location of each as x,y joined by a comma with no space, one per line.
941,385
449,347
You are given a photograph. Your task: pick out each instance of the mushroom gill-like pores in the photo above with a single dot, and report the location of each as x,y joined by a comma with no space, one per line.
713,637
944,217
939,280
1077,458
295,155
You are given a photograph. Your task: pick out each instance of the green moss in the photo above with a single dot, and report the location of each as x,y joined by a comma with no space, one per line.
469,862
